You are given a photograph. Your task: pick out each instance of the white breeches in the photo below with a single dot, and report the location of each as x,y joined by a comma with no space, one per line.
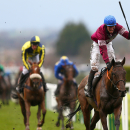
95,55
33,59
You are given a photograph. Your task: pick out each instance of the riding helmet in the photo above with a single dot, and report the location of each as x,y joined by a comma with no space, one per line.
35,40
110,20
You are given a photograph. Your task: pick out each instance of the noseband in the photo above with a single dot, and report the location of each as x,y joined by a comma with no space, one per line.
115,84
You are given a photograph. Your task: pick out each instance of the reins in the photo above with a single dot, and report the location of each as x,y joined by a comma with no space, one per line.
114,84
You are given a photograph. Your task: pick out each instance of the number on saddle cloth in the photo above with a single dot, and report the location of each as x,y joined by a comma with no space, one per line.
98,77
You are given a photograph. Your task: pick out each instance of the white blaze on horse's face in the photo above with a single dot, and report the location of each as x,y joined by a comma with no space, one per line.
35,69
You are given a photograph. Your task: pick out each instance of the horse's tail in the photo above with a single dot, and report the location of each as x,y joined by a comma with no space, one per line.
73,113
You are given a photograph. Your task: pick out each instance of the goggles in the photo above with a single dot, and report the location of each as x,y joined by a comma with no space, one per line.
35,43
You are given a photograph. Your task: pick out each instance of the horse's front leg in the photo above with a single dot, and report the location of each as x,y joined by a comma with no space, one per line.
28,113
61,117
94,120
58,107
22,104
42,107
39,114
103,117
117,113
72,108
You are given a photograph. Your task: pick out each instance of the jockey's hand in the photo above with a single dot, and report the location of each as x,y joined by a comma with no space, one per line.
108,65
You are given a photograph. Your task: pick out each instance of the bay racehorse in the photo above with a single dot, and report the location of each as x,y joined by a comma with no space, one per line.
108,95
33,95
68,92
5,89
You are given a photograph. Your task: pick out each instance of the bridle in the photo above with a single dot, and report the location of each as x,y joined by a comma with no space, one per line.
115,84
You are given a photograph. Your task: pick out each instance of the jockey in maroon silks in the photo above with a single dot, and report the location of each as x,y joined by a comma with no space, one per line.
102,45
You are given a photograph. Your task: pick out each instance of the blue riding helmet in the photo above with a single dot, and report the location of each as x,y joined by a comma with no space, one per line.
35,40
110,20
64,60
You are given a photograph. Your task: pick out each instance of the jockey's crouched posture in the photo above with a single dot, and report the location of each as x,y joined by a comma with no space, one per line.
102,44
58,70
34,51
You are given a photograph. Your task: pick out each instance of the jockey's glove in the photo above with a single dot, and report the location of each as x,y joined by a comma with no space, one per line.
108,65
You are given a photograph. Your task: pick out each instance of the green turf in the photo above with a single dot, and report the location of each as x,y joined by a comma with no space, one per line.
11,119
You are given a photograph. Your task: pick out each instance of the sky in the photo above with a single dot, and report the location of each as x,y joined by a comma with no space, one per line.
55,14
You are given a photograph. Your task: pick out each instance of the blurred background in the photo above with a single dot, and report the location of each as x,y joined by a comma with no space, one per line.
64,27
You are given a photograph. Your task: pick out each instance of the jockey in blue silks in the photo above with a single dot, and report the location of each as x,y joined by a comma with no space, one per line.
58,70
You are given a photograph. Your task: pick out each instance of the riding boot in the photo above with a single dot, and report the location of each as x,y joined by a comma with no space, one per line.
88,87
21,82
43,82
57,90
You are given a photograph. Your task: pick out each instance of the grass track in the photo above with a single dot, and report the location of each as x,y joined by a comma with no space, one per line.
11,119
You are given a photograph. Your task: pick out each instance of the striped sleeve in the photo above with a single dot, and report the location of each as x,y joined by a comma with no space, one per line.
24,57
42,55
103,50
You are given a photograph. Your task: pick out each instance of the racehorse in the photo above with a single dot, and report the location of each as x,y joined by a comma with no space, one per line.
108,95
5,89
67,93
33,95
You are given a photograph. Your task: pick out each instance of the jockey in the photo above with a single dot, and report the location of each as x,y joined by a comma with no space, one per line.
102,44
34,51
2,73
59,74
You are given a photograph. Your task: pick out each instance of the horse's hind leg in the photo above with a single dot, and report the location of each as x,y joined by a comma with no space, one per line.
86,111
94,120
23,110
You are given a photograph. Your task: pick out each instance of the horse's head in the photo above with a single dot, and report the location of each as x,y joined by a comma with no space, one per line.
69,72
117,76
35,76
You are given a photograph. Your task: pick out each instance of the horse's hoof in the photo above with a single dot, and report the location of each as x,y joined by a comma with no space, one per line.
39,128
27,128
57,124
72,128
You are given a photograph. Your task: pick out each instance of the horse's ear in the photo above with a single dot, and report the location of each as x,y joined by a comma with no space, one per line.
113,62
123,61
30,62
39,62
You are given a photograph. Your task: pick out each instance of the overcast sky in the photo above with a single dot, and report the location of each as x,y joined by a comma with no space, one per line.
47,14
